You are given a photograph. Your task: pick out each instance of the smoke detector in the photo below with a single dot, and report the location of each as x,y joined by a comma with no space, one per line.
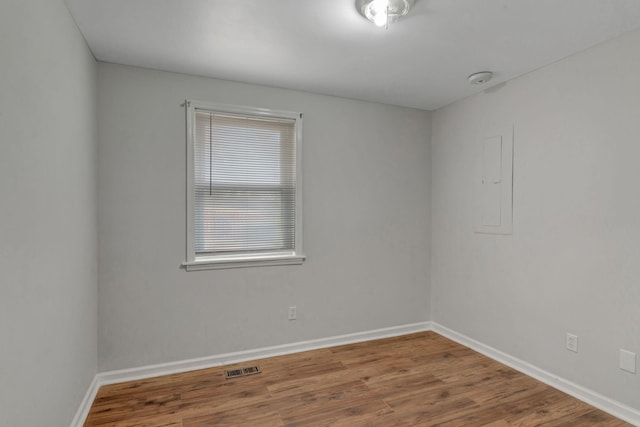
480,78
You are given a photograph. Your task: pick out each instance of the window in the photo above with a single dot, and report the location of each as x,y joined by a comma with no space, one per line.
244,199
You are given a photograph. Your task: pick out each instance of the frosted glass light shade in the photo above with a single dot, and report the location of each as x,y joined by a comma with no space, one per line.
375,10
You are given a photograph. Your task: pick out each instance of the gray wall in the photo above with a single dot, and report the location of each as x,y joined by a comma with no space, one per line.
48,214
573,261
366,225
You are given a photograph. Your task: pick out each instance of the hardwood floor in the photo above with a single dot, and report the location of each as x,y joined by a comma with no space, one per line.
421,379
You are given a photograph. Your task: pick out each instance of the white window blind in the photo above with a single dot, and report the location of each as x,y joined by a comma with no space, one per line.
245,198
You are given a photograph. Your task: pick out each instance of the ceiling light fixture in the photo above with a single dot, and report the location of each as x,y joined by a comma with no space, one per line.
383,12
480,78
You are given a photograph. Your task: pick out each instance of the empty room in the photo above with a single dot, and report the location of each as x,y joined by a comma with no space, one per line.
314,213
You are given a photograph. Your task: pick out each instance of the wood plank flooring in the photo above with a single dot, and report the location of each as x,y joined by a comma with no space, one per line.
420,379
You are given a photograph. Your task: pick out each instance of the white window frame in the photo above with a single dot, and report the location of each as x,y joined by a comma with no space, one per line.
194,262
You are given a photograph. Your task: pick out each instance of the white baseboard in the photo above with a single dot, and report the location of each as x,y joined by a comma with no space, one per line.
85,405
111,377
142,372
604,403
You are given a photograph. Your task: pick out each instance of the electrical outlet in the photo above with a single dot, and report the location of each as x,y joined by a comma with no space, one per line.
572,342
628,361
293,313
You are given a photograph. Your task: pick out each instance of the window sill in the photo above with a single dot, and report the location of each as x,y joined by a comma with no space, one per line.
223,263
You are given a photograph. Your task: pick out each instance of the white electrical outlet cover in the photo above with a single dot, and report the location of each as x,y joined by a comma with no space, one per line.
572,342
628,361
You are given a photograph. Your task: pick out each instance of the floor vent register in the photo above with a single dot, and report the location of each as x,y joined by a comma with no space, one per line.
241,372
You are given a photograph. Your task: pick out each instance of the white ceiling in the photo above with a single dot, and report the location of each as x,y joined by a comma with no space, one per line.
326,46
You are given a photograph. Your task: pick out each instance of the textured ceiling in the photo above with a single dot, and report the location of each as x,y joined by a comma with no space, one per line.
326,46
